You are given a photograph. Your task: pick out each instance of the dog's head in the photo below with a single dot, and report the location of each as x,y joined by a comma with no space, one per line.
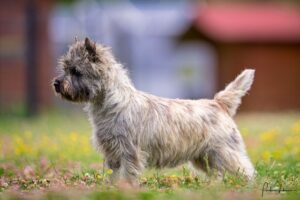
82,71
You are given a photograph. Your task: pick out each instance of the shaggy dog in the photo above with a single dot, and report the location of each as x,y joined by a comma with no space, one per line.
134,129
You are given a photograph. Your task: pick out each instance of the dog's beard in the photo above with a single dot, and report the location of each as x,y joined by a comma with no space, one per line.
82,96
67,96
75,92
75,97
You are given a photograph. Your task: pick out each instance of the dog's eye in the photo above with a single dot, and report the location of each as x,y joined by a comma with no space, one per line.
75,72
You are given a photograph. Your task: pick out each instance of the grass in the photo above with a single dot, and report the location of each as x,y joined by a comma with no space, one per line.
50,157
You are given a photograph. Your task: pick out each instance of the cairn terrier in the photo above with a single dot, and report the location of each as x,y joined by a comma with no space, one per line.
134,129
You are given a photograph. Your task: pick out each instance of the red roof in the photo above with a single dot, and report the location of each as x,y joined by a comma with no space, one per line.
254,22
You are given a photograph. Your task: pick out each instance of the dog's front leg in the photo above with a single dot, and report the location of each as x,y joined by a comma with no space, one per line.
131,166
122,157
113,164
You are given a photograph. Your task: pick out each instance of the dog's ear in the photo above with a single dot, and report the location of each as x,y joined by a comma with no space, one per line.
91,49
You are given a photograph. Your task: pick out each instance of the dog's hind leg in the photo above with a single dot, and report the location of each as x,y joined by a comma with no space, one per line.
208,163
225,159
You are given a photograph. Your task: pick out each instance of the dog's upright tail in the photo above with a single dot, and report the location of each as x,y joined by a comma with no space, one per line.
230,98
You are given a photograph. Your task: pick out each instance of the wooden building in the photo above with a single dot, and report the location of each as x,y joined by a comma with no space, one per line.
265,37
25,54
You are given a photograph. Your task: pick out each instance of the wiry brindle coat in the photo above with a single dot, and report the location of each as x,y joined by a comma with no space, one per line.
134,129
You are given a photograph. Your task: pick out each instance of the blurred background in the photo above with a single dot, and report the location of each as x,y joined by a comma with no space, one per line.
176,49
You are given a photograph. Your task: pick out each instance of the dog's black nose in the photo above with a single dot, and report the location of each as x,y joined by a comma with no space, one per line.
56,85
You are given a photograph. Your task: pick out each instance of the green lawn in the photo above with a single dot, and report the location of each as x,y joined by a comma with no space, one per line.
50,157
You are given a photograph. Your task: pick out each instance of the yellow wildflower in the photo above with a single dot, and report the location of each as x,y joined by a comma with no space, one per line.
173,176
266,155
73,137
277,154
268,136
296,127
98,176
109,171
28,135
